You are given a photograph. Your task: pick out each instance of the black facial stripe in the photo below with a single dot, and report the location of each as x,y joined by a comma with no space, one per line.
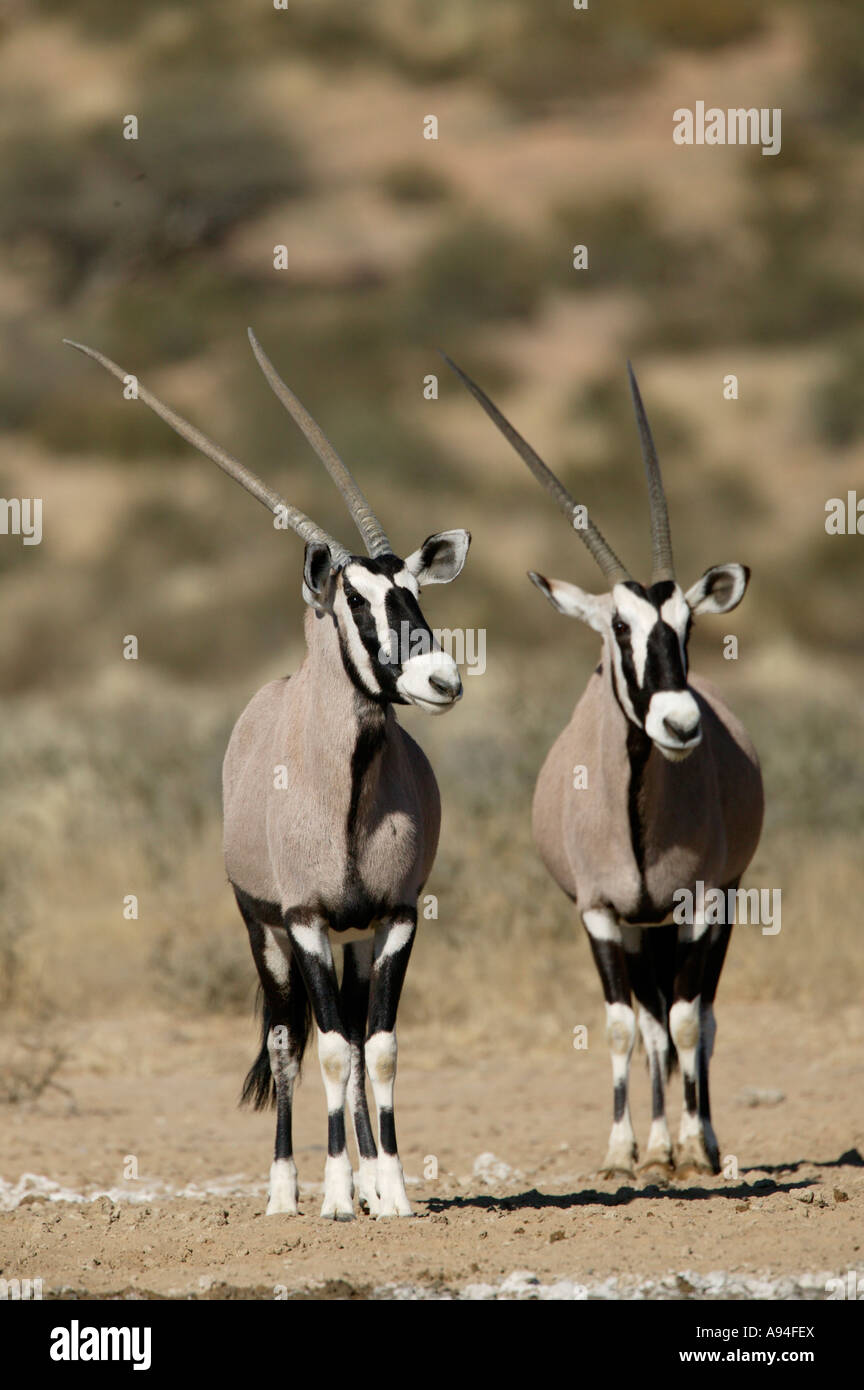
659,592
401,607
363,620
634,690
665,667
361,615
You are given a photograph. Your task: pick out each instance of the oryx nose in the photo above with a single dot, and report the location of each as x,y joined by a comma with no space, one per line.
683,733
449,686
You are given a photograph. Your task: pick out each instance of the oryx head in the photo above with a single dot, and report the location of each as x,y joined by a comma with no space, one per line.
387,647
645,628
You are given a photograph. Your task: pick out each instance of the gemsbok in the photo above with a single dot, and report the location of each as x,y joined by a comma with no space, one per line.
332,816
653,787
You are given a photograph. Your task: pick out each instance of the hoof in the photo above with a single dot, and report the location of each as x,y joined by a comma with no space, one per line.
657,1169
693,1160
276,1207
694,1168
283,1188
393,1204
610,1171
366,1186
334,1214
620,1162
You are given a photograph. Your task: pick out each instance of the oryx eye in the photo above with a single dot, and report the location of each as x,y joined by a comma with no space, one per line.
356,600
619,627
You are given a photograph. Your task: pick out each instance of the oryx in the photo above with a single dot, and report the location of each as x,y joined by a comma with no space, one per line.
667,794
331,819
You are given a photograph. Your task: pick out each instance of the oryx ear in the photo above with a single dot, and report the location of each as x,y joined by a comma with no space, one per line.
573,601
317,570
720,589
440,557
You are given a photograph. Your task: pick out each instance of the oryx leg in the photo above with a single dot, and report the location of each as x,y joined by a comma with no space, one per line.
643,959
354,1007
286,1005
717,945
606,940
393,942
310,941
684,1025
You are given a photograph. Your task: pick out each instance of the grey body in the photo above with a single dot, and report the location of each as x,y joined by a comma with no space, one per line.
351,843
698,819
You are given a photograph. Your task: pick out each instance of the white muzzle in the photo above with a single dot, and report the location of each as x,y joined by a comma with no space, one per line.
673,723
430,681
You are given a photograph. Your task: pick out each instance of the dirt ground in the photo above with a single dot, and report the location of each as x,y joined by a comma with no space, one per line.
517,1208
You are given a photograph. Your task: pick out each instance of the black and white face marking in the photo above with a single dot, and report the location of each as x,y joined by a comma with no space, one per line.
646,631
648,634
387,646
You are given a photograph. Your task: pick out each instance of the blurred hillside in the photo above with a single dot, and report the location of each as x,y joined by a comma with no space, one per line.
304,128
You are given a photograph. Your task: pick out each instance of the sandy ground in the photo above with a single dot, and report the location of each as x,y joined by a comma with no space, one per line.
517,1208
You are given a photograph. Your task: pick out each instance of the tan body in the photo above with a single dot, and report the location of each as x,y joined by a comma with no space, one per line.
290,845
700,818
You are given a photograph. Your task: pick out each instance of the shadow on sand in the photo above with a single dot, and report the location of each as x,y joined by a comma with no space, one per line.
652,1191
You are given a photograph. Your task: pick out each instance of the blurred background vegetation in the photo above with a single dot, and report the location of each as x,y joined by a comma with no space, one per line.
304,127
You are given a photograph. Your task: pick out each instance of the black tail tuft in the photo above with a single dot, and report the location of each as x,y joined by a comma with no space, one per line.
259,1088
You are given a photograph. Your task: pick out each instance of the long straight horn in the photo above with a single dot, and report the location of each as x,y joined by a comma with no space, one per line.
589,533
296,519
365,519
662,565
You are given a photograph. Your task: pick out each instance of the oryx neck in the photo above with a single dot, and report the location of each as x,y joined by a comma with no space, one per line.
340,712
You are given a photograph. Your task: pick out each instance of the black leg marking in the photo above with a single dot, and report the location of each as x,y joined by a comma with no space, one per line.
354,1007
389,965
612,965
708,1028
686,1019
286,1020
336,1133
387,1129
611,962
690,961
286,1023
393,942
652,968
311,945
